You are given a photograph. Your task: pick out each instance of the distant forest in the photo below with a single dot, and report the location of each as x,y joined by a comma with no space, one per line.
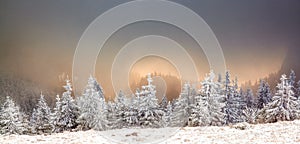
173,84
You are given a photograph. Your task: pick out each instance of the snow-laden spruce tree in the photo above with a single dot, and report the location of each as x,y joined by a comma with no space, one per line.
119,110
192,95
149,114
114,121
263,94
12,121
292,79
32,121
164,102
234,104
284,104
66,111
249,107
130,112
227,91
243,97
121,100
41,119
69,109
186,91
235,84
199,115
179,116
92,107
250,114
55,115
214,99
250,100
167,116
227,85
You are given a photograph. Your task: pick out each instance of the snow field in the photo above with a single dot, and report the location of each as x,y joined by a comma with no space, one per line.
280,132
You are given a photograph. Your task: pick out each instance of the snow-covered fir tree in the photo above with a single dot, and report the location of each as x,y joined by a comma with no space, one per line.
149,114
96,86
69,109
209,106
180,108
263,94
292,81
214,99
219,87
284,104
235,84
186,91
250,114
199,115
248,107
250,100
130,116
92,107
32,121
164,102
120,99
119,110
227,93
41,119
12,121
55,115
66,111
167,115
292,78
191,92
243,94
112,116
192,95
227,86
234,104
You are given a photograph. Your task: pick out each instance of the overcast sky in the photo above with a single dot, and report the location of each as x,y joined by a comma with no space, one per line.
38,38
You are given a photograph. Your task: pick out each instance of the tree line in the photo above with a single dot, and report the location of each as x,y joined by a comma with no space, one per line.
218,102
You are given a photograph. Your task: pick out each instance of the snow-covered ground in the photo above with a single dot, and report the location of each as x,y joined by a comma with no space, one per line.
281,132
